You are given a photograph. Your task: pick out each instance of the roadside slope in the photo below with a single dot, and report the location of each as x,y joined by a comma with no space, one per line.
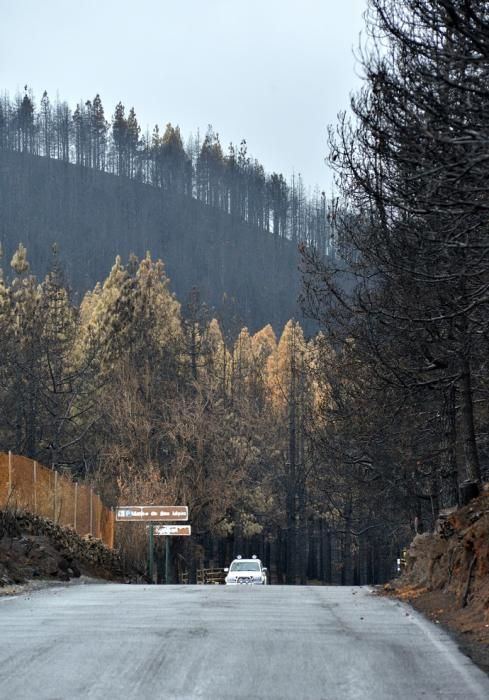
447,576
35,548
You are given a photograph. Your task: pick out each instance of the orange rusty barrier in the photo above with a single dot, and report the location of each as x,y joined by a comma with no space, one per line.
26,484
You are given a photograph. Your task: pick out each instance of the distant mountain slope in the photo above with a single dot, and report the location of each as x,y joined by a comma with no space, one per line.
94,216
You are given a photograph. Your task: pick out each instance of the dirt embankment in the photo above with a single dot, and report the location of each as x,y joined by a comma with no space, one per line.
447,576
34,548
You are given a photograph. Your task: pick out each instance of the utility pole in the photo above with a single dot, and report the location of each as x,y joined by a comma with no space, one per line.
151,552
168,567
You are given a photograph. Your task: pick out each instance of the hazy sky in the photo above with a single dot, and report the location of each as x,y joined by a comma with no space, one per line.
274,72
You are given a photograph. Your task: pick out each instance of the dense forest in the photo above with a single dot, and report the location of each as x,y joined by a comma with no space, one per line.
412,170
231,181
99,187
151,400
323,453
95,216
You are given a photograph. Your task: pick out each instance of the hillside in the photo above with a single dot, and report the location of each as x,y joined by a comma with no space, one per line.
94,216
33,549
447,576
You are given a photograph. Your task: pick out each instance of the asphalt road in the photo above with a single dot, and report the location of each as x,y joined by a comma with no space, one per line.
216,642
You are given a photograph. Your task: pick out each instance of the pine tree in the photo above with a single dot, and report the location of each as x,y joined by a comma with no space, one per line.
133,142
242,366
120,139
25,356
286,377
218,367
157,321
25,123
46,125
100,128
63,411
263,345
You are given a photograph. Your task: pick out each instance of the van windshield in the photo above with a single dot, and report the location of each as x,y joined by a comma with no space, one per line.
245,566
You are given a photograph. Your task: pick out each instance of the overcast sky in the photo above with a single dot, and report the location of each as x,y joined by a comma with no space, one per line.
274,72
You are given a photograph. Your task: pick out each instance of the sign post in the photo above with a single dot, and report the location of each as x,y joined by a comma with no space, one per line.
168,531
151,553
156,514
167,561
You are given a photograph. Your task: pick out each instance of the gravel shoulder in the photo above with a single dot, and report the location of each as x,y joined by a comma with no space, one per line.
465,626
467,629
14,590
446,576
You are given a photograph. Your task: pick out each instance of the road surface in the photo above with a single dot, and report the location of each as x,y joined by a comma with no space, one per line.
217,642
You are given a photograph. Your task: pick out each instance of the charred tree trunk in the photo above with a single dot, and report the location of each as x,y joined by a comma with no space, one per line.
292,479
449,470
326,565
347,546
472,465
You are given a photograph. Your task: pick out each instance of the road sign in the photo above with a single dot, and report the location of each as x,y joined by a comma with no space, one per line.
168,530
147,514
